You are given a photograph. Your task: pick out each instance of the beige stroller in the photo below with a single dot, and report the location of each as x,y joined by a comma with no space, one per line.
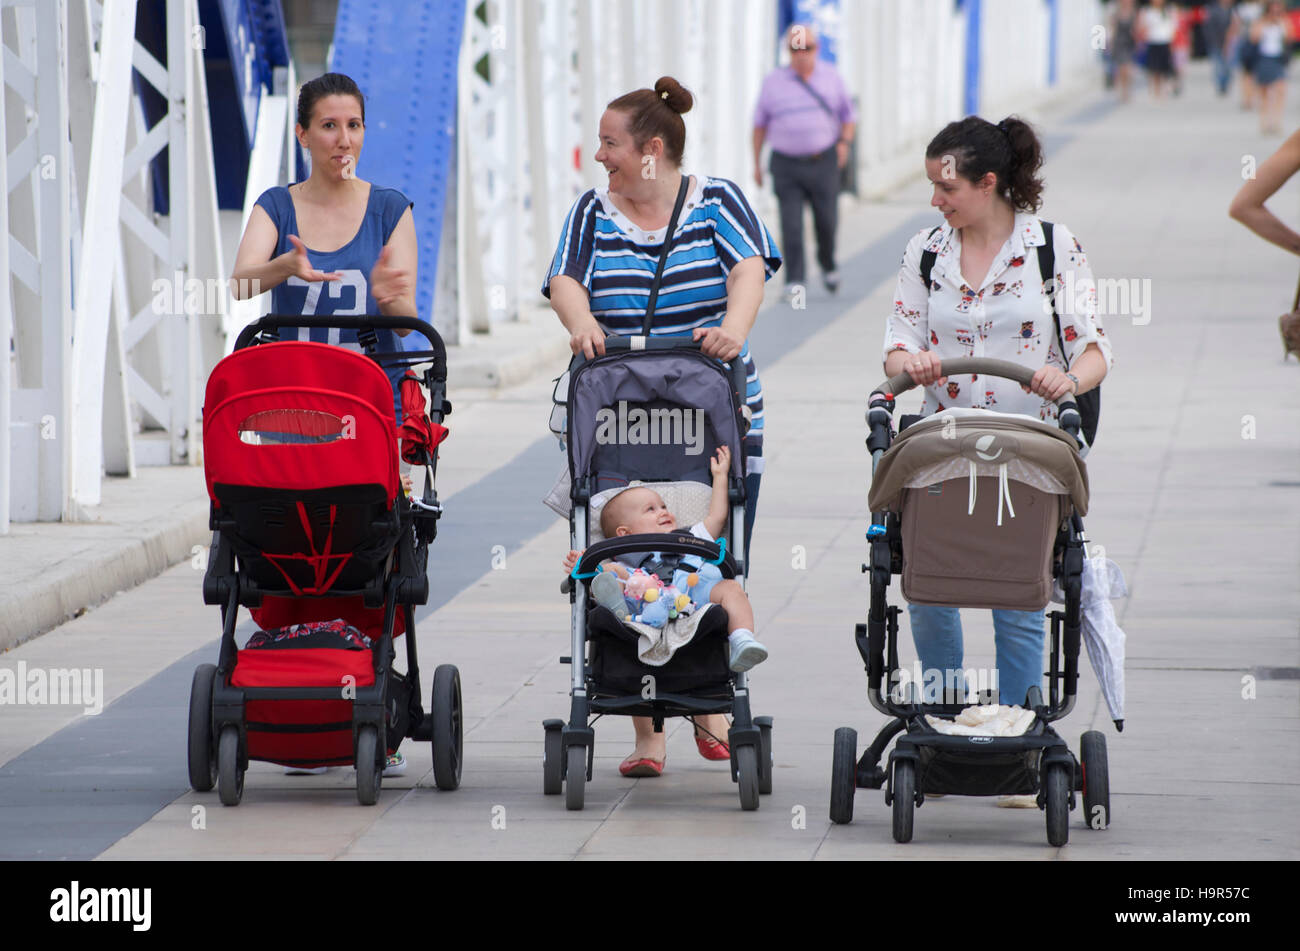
974,509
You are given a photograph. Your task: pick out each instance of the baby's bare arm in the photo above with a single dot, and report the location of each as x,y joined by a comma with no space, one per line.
720,465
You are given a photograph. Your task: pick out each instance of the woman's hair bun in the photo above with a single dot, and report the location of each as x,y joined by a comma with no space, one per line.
674,94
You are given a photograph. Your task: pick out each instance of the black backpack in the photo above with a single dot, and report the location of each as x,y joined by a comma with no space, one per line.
1090,402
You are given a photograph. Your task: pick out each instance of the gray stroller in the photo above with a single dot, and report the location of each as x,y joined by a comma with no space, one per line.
670,381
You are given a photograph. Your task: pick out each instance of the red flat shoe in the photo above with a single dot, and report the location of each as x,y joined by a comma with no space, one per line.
711,749
644,768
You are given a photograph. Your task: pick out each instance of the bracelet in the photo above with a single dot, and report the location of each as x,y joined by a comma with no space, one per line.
1076,383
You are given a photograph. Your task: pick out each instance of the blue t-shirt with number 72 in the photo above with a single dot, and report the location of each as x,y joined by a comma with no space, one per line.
348,296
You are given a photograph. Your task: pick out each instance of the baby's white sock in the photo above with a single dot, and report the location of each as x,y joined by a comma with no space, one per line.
740,634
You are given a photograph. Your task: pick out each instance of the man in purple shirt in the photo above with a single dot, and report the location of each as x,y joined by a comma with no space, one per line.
805,114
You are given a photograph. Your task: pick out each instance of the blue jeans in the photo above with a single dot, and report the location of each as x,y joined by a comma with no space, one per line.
1018,636
1222,70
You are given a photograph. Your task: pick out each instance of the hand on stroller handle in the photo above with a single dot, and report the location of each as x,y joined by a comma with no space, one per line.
882,397
622,343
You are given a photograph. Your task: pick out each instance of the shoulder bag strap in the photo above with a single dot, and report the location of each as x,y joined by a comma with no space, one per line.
816,95
663,256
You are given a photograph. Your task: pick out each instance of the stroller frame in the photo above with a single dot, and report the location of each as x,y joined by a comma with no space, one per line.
218,722
1038,761
569,749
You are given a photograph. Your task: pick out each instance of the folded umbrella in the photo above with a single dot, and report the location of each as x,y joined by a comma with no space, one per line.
1102,580
419,435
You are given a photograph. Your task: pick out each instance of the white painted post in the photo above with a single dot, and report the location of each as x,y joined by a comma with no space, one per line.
55,259
6,321
179,350
100,237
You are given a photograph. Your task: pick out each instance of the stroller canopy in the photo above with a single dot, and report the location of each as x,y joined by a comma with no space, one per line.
299,416
651,415
1021,448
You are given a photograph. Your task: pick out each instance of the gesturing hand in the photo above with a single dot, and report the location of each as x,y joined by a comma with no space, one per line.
388,283
300,264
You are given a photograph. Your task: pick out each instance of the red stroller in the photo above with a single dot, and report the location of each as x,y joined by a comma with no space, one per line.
310,524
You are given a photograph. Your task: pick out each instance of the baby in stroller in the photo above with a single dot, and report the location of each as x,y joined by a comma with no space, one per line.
636,422
640,510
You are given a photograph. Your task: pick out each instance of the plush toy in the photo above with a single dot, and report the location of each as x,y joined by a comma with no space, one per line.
697,582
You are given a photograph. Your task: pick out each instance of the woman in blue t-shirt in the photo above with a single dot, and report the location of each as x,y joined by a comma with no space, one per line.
333,244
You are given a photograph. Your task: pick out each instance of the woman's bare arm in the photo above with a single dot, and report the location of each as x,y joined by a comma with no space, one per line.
571,304
1248,205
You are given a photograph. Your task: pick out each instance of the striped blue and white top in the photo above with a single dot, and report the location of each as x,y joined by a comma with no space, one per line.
615,261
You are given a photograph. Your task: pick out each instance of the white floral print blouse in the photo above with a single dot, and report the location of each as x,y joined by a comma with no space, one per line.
1007,318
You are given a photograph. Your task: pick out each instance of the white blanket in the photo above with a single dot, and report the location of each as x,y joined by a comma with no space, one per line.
989,720
656,645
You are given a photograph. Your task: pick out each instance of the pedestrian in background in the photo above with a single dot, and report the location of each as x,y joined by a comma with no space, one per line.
1216,30
804,113
1247,51
1271,34
1156,27
1123,45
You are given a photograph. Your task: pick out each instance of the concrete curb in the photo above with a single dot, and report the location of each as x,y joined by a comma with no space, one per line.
96,570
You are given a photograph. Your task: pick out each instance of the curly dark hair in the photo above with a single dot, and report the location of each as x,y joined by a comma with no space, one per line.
1010,150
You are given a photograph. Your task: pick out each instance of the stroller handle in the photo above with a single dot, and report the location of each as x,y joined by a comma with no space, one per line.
1067,409
367,322
619,343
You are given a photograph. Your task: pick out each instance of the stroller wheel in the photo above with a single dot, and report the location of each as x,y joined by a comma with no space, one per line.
904,795
1057,793
764,725
1096,780
553,763
747,775
448,735
369,774
575,777
202,752
844,764
230,778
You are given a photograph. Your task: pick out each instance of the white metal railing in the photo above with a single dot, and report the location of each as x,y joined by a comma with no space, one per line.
555,63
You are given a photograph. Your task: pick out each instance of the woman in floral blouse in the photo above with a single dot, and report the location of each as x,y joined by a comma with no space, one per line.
986,299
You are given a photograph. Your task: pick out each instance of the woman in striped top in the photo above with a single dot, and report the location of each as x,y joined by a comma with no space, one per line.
712,285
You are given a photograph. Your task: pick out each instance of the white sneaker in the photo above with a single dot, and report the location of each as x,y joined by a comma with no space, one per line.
304,770
395,765
1018,802
746,652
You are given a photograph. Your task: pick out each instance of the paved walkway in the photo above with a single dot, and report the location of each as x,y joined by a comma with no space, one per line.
1202,521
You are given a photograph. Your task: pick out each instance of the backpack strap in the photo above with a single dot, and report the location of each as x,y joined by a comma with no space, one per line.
1047,271
927,262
